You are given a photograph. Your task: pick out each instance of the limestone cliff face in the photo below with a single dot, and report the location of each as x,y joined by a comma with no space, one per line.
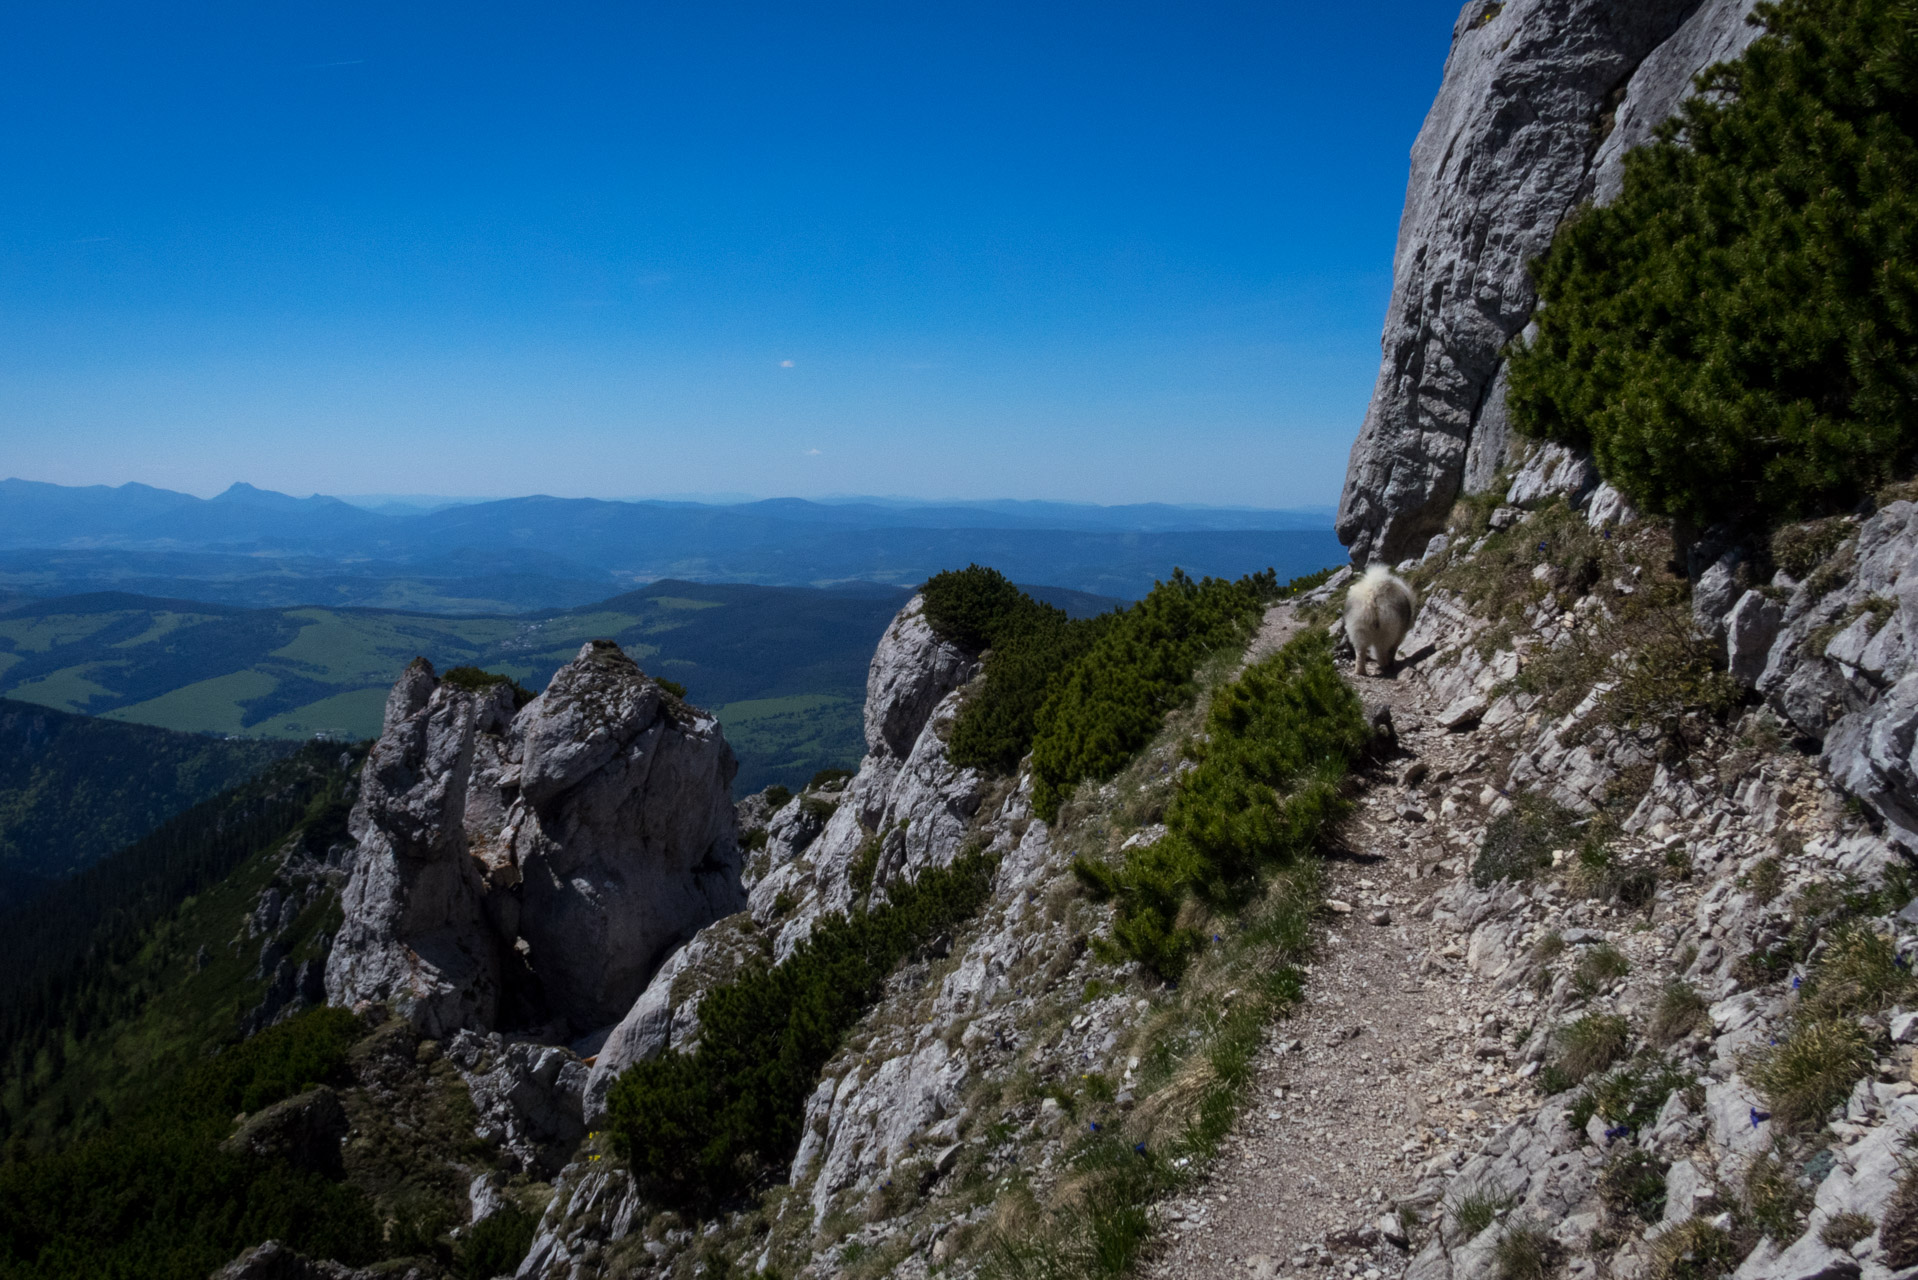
908,804
1541,100
557,854
415,932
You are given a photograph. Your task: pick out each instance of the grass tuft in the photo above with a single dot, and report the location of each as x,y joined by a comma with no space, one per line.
1845,1230
1681,1011
1811,1070
1695,1250
1598,968
1525,1253
1475,1211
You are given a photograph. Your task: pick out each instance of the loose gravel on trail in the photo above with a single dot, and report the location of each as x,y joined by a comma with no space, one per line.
1377,1073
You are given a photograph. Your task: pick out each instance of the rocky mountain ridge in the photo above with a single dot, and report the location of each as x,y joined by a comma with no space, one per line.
1562,939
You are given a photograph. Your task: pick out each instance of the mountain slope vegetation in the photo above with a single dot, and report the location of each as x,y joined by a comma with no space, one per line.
73,788
1735,337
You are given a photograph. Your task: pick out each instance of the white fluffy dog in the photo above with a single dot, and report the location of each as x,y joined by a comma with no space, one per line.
1378,613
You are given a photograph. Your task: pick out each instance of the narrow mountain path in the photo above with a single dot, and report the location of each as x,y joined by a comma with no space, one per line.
1348,1104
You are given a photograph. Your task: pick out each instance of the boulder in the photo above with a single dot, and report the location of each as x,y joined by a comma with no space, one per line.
305,1131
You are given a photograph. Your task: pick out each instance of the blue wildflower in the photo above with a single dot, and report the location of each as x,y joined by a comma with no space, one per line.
1759,1117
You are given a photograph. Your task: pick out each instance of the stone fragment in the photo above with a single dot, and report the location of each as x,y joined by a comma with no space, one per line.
1750,629
1463,713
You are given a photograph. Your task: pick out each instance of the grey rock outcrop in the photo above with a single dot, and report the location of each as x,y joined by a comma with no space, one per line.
626,836
415,933
527,1095
666,1015
1552,471
560,851
1844,667
274,1261
1539,102
1750,629
907,797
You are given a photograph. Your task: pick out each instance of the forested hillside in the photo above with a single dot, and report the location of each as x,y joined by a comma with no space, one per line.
73,789
82,968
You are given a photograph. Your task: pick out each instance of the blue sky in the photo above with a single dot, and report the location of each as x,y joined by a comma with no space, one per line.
1096,252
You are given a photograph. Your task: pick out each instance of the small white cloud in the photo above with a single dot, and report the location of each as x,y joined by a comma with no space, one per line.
785,364
812,453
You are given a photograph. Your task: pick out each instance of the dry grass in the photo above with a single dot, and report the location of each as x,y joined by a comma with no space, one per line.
1694,1250
1846,1230
1898,1236
1591,1044
1525,1253
1681,1011
1766,880
1811,1070
1859,973
1598,968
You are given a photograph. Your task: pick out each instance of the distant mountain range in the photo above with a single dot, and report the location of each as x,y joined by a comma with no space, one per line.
784,668
255,547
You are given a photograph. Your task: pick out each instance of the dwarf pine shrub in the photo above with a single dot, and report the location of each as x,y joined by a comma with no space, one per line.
1082,695
154,1195
1140,666
701,1128
1734,336
1278,742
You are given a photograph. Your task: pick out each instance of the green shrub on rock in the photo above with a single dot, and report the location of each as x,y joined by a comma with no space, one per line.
700,1128
1734,337
1115,697
1278,743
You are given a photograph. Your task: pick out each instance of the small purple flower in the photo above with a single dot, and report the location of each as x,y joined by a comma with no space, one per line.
1795,980
1759,1117
1139,1147
1092,1126
1616,1132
